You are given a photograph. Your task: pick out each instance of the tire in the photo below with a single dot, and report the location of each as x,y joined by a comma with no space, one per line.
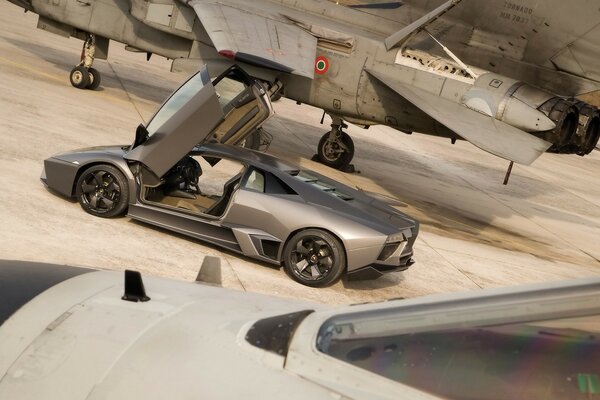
332,155
314,257
80,77
592,140
95,79
103,191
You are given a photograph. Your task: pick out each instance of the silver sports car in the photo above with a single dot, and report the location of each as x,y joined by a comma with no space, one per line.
179,175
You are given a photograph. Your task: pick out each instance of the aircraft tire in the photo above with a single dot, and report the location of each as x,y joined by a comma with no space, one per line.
95,79
332,155
79,77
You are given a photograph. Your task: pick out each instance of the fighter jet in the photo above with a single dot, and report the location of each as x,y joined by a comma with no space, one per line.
501,75
77,333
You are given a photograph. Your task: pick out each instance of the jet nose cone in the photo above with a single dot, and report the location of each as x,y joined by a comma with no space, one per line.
26,4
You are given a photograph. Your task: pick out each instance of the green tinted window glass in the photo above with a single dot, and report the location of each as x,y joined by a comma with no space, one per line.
550,360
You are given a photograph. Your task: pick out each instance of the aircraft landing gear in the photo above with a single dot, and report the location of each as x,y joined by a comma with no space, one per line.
336,148
83,76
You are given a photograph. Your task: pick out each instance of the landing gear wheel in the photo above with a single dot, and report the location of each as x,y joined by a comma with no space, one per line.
80,77
95,79
314,258
102,191
593,136
336,152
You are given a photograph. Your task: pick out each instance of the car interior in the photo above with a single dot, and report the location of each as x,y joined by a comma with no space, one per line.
198,185
242,107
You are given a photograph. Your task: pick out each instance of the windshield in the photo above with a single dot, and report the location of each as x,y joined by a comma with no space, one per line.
313,180
552,359
180,98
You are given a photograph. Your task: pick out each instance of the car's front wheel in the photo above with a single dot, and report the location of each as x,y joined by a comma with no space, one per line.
314,257
102,191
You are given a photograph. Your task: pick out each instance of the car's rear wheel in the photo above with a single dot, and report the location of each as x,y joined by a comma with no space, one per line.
102,191
314,257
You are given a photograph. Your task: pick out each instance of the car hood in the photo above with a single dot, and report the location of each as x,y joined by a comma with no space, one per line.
78,154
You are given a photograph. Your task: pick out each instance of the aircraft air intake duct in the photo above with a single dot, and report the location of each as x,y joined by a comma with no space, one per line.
510,101
572,126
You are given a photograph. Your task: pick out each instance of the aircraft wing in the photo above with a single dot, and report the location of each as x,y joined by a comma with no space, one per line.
250,34
553,44
485,132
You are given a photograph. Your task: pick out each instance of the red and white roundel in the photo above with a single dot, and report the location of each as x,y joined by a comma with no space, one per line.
321,65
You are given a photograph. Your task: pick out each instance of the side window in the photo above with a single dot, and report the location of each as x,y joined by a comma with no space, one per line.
216,174
181,97
255,181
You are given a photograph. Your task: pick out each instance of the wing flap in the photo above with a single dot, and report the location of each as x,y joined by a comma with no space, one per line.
485,132
257,38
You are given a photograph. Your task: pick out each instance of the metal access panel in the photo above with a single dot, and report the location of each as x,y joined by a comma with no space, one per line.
185,19
160,13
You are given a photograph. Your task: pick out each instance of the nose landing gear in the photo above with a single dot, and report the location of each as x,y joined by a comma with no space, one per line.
336,148
83,76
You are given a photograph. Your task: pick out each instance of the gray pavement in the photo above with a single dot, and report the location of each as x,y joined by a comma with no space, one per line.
476,233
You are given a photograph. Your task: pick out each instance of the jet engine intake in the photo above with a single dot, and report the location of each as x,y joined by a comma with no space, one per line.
572,126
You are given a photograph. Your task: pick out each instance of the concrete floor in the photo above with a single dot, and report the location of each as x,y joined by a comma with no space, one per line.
475,233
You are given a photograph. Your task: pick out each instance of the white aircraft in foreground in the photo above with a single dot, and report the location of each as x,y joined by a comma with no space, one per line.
76,333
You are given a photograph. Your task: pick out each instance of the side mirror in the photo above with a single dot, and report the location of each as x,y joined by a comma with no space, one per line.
141,135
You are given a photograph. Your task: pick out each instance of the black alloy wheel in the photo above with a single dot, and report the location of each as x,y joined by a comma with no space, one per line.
332,153
314,258
102,191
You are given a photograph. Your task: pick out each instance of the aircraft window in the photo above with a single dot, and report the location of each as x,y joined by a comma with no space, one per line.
255,181
549,360
175,102
316,182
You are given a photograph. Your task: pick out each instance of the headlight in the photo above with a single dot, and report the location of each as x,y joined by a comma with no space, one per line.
396,237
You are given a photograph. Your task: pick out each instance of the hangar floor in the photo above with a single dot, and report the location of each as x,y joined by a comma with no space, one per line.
543,226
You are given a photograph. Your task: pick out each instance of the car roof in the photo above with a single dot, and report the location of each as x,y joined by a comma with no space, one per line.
366,215
251,157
